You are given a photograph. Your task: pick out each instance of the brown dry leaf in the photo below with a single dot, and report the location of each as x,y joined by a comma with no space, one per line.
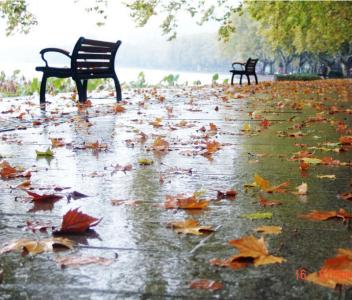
160,144
213,128
281,188
156,123
269,229
190,227
230,195
211,148
57,142
265,202
96,146
316,215
26,184
115,202
346,140
118,108
181,201
335,271
206,284
35,247
77,261
346,196
6,171
252,251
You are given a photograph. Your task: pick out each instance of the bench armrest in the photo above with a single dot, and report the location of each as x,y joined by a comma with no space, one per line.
238,63
64,52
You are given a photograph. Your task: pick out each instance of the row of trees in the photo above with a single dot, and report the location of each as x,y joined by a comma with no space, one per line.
292,35
289,36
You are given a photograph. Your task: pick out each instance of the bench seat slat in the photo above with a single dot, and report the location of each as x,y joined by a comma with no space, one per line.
98,43
91,64
94,49
93,56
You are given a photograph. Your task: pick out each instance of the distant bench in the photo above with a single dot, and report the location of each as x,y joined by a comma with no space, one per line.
247,69
90,59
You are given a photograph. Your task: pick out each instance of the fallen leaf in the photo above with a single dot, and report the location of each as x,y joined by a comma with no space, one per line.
190,227
269,229
311,160
302,189
125,202
24,184
118,108
47,153
258,215
346,196
75,195
7,171
35,247
181,201
316,215
96,146
261,182
252,251
230,195
326,176
57,142
160,145
206,284
346,140
44,197
335,271
145,161
265,202
77,261
75,222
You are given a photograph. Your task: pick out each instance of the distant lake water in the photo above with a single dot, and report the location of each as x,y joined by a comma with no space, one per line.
152,76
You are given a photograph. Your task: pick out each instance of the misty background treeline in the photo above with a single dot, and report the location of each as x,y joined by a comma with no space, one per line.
205,53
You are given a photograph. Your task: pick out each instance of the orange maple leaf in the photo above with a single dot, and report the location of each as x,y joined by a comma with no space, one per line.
181,201
252,251
336,270
316,215
160,145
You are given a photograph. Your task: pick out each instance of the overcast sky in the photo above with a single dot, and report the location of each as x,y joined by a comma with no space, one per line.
62,22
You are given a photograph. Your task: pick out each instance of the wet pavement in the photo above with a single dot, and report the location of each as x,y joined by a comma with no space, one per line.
150,260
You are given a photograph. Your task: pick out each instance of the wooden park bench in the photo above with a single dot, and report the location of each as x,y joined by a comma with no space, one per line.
90,59
247,69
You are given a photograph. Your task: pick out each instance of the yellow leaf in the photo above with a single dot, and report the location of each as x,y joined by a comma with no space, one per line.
269,229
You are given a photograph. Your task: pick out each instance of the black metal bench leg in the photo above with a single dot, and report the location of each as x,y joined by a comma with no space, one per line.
85,86
43,88
256,78
80,90
233,75
241,80
249,81
118,88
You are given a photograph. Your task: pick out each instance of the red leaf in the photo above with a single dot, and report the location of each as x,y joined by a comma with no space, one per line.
75,221
44,197
230,195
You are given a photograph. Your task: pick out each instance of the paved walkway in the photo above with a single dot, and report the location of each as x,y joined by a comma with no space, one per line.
150,260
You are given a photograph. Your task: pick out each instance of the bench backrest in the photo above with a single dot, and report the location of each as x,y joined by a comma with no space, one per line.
92,57
250,65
